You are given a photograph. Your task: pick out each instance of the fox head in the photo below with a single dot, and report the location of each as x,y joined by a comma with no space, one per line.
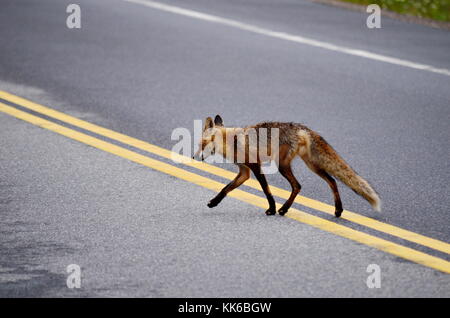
210,142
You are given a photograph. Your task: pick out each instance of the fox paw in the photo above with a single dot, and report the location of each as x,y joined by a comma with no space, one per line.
213,203
282,211
271,212
338,213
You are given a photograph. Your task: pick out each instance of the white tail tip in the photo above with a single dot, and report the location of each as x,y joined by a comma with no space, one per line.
377,205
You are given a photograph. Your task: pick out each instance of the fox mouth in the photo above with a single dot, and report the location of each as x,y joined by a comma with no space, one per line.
212,153
202,158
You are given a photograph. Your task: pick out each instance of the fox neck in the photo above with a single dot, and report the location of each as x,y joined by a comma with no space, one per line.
226,143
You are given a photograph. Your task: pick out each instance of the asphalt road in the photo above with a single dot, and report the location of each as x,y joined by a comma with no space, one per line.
144,72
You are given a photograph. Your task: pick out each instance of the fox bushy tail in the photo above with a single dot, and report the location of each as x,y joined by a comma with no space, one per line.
333,164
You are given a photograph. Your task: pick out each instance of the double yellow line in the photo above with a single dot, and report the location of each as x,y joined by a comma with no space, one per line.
361,237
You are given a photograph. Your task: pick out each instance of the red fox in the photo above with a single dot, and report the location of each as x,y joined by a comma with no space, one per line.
293,139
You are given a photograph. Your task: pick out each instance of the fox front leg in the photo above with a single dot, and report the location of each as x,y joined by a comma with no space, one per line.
216,200
243,175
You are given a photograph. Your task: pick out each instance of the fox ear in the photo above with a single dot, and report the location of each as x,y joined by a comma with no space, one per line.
218,121
208,123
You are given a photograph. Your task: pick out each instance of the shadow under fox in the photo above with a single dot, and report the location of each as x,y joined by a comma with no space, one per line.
293,140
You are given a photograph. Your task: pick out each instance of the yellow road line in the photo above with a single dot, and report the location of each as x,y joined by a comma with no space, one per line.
314,204
373,241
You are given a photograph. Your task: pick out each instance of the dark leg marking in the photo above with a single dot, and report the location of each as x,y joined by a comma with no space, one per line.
256,168
332,183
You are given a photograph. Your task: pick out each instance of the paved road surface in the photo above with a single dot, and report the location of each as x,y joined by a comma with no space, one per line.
143,72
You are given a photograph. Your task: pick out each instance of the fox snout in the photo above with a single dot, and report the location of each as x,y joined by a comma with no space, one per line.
197,155
202,154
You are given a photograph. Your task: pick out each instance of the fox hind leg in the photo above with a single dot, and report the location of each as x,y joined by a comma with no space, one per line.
284,166
286,172
332,183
